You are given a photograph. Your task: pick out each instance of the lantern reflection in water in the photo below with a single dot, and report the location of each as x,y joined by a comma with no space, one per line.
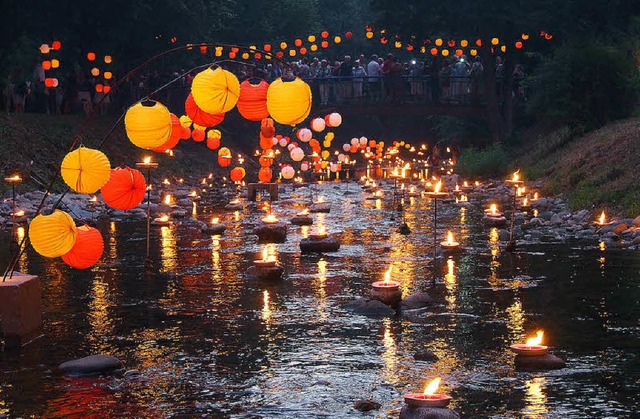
390,355
98,316
515,321
320,283
168,250
494,247
535,398
23,262
451,284
266,309
215,259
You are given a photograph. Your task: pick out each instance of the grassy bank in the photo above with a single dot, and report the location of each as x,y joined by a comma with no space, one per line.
595,170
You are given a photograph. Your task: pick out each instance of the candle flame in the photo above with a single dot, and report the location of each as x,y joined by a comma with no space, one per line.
265,254
14,178
166,182
477,183
537,340
147,160
320,199
304,212
525,202
465,184
516,176
603,218
450,238
493,208
19,213
193,193
535,195
270,219
457,188
215,220
463,198
164,218
438,187
322,231
93,199
431,388
167,199
387,275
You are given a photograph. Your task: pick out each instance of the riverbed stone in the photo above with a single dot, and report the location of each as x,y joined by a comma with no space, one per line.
271,233
91,365
409,412
370,308
365,405
425,355
636,221
328,244
270,273
537,363
417,300
620,228
302,220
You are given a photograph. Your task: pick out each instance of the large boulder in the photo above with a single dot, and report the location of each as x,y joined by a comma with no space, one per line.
371,308
91,365
537,363
417,300
271,233
328,244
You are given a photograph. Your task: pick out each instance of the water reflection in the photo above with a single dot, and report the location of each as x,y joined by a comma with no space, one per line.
266,309
168,248
98,317
535,398
320,283
515,321
494,248
390,354
23,262
451,283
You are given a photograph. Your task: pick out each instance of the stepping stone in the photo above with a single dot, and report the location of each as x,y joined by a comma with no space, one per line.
91,365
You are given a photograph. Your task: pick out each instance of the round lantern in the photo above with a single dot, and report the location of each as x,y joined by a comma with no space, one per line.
363,141
330,136
289,102
215,91
297,154
185,121
318,124
185,133
267,129
237,174
44,48
200,117
148,124
46,65
53,235
283,142
304,166
304,135
341,157
346,147
87,250
267,142
85,170
334,167
174,138
333,119
355,141
224,157
287,172
264,174
325,154
266,159
125,189
252,103
198,135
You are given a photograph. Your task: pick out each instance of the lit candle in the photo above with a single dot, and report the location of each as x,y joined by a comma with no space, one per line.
270,219
437,190
450,244
429,398
19,213
304,212
164,220
493,211
93,199
319,234
525,203
515,178
320,200
13,179
603,219
267,260
387,284
215,220
167,199
166,182
532,347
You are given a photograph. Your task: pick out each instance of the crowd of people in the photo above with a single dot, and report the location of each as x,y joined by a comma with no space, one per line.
374,79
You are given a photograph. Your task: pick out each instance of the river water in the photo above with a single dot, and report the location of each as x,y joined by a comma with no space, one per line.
211,342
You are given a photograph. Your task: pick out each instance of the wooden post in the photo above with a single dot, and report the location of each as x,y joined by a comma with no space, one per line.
20,309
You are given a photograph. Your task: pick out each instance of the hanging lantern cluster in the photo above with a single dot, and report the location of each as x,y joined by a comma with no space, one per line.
51,63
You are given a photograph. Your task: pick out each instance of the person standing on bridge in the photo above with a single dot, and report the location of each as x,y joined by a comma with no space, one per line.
373,81
359,75
323,75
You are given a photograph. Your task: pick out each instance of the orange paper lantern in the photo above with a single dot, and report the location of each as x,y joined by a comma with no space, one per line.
265,174
174,138
252,103
125,189
87,249
237,174
200,117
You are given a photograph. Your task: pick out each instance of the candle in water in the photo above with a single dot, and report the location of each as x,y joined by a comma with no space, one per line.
532,347
270,219
429,398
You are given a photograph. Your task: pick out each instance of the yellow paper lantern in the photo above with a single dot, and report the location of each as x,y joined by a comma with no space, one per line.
473,52
185,121
337,39
503,48
330,136
283,45
95,71
313,47
494,41
245,56
438,42
55,63
108,59
445,52
148,125
289,102
215,91
85,170
108,75
369,35
311,38
326,144
292,53
53,235
464,43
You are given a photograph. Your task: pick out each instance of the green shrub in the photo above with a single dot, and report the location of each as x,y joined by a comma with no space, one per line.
585,85
490,161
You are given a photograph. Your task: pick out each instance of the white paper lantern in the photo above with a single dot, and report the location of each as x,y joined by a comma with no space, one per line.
333,167
341,157
288,172
304,166
318,124
305,135
333,120
283,142
297,154
274,141
363,141
291,147
355,141
346,147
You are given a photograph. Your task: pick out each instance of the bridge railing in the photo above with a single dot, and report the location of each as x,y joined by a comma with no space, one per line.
448,90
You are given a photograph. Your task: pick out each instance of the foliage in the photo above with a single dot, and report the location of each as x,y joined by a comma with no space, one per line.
487,162
464,130
588,85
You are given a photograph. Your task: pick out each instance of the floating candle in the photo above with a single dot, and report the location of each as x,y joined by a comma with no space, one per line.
532,347
319,234
267,260
429,398
450,244
215,220
270,219
387,283
167,199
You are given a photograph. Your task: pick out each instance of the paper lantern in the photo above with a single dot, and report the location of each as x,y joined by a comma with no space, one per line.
44,48
348,35
326,144
252,103
318,124
46,65
304,166
297,154
56,45
108,59
303,50
267,128
346,147
369,35
495,41
289,102
267,142
125,190
213,143
53,235
148,124
324,44
445,52
85,170
287,172
313,48
434,51
518,44
87,249
237,174
95,71
174,138
185,133
266,159
55,63
324,34
334,167
200,117
48,82
315,145
311,38
283,45
304,135
353,149
198,135
325,154
265,175
91,56
333,120
55,82
224,157
438,42
215,91
108,75
99,87
283,142
337,39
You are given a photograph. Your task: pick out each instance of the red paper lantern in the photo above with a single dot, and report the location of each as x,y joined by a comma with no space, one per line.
174,138
267,128
91,56
267,47
185,133
125,189
348,35
324,34
252,102
518,45
265,175
48,82
237,174
213,143
264,160
56,45
46,65
200,117
87,249
298,42
303,50
324,44
198,135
